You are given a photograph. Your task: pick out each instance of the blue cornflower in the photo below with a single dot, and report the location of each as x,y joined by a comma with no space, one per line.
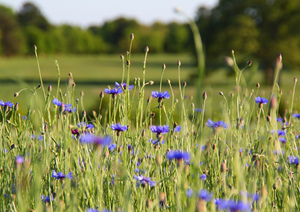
279,132
282,140
198,110
112,147
155,142
119,128
293,160
47,198
69,108
40,137
83,124
232,205
159,129
296,115
177,129
178,155
189,193
89,138
144,181
203,177
60,175
261,101
123,86
19,159
56,102
7,104
160,95
214,125
203,194
113,91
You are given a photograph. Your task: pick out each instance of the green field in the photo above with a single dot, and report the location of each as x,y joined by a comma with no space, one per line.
94,73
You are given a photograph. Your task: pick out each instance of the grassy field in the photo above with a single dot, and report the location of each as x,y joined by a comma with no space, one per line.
94,73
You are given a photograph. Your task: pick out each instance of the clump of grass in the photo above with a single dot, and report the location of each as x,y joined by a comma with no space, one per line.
242,158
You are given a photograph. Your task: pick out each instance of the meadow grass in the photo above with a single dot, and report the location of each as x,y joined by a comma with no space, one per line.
227,152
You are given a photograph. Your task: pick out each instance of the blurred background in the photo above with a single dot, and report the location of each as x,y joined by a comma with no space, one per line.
87,37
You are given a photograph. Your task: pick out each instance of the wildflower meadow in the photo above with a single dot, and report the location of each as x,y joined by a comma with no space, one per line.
159,152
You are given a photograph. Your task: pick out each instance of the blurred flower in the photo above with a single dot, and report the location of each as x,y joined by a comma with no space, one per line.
89,138
56,102
83,124
293,160
214,125
189,193
40,137
7,104
156,142
282,140
198,110
296,115
203,194
64,107
159,129
178,155
232,205
47,198
19,159
60,175
124,85
112,147
144,181
203,177
177,129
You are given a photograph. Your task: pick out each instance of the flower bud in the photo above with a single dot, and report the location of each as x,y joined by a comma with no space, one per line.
132,36
204,96
178,63
163,66
147,49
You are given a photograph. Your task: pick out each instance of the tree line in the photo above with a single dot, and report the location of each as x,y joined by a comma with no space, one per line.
27,27
256,29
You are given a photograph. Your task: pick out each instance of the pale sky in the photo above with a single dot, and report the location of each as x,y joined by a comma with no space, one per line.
94,12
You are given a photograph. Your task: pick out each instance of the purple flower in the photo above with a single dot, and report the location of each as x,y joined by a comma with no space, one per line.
198,110
279,132
261,100
7,104
203,194
60,175
296,115
144,181
232,205
159,129
56,102
214,125
156,142
177,129
178,155
293,160
113,91
119,127
83,124
189,193
282,140
89,138
47,198
203,177
69,108
124,85
112,147
19,159
160,95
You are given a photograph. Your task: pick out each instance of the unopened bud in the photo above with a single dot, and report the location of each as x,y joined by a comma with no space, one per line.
101,94
229,61
268,118
147,49
128,62
257,85
184,84
168,81
204,96
151,82
295,79
132,36
81,93
273,102
50,88
249,63
163,66
221,93
38,86
16,94
121,57
178,63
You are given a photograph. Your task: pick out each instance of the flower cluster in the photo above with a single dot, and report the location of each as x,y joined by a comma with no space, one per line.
6,104
64,107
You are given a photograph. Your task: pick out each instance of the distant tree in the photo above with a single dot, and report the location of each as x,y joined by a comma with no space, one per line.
257,28
177,37
30,15
11,39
